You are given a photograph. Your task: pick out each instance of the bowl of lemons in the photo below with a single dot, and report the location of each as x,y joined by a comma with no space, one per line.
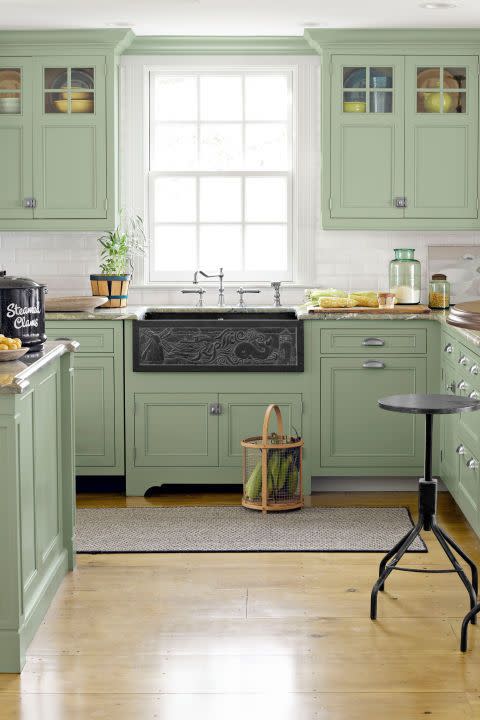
11,349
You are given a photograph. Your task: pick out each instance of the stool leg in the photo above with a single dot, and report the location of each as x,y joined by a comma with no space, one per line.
471,593
469,617
465,557
390,555
389,568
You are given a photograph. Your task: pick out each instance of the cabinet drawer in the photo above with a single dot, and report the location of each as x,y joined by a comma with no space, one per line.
371,341
92,339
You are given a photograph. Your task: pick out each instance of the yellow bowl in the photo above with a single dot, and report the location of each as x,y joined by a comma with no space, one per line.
78,106
78,95
359,107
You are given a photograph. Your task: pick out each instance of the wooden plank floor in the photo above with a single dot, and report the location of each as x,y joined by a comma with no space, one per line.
267,636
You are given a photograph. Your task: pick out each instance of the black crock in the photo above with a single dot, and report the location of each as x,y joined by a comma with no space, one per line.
22,311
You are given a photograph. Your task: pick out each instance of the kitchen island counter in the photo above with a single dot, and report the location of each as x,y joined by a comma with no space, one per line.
15,376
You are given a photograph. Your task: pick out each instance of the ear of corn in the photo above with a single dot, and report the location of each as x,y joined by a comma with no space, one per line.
253,486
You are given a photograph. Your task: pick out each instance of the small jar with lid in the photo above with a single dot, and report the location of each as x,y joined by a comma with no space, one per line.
404,277
439,292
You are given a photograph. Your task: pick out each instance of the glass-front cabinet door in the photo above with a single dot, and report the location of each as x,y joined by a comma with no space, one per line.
367,136
16,192
69,166
441,137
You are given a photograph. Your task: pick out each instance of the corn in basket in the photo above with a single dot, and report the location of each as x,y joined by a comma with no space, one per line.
272,468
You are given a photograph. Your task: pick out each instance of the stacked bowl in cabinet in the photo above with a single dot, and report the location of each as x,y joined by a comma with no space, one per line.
460,434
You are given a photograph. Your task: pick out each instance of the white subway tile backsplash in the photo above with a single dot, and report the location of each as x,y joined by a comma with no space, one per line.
350,259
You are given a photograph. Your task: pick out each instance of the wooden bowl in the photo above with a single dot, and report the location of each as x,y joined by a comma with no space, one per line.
8,355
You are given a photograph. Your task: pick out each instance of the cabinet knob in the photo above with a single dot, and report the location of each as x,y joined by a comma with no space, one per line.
400,202
472,464
452,387
474,395
373,365
29,202
460,450
215,409
462,385
462,360
474,369
448,348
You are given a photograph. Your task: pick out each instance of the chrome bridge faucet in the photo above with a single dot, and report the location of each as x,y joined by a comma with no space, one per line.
220,276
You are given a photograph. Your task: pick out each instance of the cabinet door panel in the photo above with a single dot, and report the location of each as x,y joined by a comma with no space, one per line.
242,416
355,432
367,146
94,411
441,137
449,434
15,137
69,138
175,430
468,492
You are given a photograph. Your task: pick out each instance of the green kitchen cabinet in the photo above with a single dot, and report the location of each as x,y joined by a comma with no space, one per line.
399,129
58,129
69,137
355,432
175,429
99,394
16,183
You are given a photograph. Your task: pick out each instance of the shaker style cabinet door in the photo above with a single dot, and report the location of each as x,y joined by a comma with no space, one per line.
355,431
367,137
94,411
16,189
441,137
69,162
176,429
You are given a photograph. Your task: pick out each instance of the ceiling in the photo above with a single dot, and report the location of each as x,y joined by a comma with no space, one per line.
231,17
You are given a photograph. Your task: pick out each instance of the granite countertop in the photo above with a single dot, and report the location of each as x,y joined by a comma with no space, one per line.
131,312
14,376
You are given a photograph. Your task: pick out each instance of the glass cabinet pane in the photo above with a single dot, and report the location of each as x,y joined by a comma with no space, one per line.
355,102
381,77
368,89
10,91
69,90
441,90
354,77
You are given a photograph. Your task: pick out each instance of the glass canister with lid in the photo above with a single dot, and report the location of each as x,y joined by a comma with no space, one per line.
405,277
439,292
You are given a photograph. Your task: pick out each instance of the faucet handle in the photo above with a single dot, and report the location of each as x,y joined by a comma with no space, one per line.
244,291
195,291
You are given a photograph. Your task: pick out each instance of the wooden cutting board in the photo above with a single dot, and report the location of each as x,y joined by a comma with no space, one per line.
74,303
397,310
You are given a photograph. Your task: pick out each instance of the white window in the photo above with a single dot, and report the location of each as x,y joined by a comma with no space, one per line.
220,169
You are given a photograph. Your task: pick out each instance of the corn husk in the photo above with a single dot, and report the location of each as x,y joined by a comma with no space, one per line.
366,298
337,302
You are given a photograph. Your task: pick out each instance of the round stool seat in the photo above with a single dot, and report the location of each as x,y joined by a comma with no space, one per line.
429,404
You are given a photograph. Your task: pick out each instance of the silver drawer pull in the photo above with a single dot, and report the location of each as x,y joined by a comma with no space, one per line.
373,364
472,464
215,409
474,369
378,342
462,360
474,395
448,348
460,450
462,385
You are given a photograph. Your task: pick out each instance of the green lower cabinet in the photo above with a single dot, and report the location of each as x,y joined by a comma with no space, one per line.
177,429
355,432
94,411
468,488
242,416
449,432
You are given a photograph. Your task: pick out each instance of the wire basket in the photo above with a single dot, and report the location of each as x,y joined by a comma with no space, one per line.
272,468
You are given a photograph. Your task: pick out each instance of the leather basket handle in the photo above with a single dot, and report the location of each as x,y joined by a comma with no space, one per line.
266,421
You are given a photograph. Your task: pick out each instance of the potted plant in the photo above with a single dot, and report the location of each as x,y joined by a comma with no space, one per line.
119,247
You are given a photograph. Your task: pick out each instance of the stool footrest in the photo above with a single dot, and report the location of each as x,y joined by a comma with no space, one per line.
419,570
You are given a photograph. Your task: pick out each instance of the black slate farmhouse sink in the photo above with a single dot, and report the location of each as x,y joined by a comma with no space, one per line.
218,341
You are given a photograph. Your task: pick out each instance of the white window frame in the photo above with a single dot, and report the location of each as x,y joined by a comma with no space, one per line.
304,191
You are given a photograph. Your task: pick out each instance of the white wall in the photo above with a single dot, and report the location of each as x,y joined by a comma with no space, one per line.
346,259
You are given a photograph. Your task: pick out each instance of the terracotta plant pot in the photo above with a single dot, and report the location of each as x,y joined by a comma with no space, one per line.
115,287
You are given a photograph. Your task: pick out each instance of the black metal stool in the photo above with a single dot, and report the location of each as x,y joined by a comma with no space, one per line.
429,405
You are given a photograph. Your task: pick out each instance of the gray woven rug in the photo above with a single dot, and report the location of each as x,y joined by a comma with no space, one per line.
236,529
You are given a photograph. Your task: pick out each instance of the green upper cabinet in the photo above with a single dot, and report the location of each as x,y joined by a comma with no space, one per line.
15,138
399,128
367,136
69,137
58,128
441,134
